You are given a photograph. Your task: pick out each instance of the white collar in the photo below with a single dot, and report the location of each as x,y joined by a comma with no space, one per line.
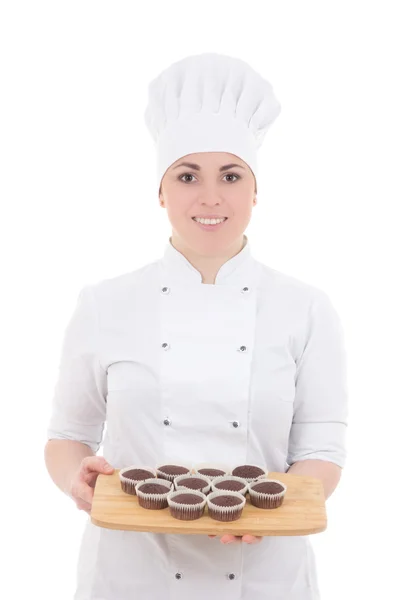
236,270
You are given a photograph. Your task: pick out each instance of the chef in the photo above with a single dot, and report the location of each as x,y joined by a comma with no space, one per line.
205,355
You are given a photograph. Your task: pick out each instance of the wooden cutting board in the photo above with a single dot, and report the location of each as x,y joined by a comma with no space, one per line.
302,512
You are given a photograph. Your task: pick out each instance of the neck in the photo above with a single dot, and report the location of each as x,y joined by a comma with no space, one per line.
207,265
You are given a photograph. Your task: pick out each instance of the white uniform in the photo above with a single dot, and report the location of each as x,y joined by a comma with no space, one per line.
249,370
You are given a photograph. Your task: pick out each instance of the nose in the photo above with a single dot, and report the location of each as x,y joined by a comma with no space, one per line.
209,195
210,198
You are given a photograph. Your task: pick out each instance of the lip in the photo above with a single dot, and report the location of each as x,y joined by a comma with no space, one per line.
209,217
210,227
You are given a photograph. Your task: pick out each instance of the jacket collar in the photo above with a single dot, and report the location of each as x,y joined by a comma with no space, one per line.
236,270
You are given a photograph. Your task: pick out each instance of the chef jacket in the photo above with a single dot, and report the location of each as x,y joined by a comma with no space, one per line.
158,365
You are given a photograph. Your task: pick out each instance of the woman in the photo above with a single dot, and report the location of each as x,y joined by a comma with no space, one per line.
204,355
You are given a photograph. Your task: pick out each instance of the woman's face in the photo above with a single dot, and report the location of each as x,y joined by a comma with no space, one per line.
205,184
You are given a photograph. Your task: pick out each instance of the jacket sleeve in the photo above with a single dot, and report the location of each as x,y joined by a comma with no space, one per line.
79,400
319,424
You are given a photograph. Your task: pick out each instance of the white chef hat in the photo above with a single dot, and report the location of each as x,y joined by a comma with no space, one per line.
209,103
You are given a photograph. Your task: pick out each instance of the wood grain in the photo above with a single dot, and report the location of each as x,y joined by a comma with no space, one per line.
303,512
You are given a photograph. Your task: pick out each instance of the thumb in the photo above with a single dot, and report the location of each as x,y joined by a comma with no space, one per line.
106,466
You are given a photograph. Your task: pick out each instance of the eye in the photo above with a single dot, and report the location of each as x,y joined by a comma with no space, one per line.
232,175
185,175
191,175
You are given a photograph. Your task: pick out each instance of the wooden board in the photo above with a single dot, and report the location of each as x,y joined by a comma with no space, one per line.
302,512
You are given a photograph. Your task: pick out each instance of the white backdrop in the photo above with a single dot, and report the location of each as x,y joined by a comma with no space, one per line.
78,206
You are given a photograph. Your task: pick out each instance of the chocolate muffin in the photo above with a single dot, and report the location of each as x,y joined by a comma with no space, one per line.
152,494
268,493
211,471
225,506
169,472
130,476
138,474
230,483
186,506
226,500
152,488
249,472
268,487
193,482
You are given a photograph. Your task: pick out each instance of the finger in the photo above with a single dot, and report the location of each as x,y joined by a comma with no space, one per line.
84,492
231,539
82,505
90,478
251,539
96,464
91,466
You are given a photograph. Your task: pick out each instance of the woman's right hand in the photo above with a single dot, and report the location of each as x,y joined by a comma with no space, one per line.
84,480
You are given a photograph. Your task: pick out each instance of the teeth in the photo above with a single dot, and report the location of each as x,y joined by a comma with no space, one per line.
209,221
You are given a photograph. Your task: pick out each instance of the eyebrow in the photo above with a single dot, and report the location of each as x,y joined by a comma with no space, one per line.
197,167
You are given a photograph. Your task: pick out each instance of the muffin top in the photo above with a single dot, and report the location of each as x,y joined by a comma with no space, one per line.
194,483
138,474
187,499
154,488
268,487
248,471
174,470
230,484
211,472
226,500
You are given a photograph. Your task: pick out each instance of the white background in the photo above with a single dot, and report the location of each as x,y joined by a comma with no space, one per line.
79,205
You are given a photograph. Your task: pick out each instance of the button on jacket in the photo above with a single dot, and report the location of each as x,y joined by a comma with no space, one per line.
155,365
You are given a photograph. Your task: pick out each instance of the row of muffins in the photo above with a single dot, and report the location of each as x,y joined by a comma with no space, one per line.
187,491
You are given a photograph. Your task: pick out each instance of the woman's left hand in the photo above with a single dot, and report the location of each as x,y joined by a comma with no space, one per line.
230,539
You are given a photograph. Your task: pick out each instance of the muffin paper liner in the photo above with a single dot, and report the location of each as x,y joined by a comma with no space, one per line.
250,479
129,485
207,465
229,478
225,513
261,500
186,512
179,463
204,490
153,501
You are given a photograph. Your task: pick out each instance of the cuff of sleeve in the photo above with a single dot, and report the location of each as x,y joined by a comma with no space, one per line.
91,436
322,441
